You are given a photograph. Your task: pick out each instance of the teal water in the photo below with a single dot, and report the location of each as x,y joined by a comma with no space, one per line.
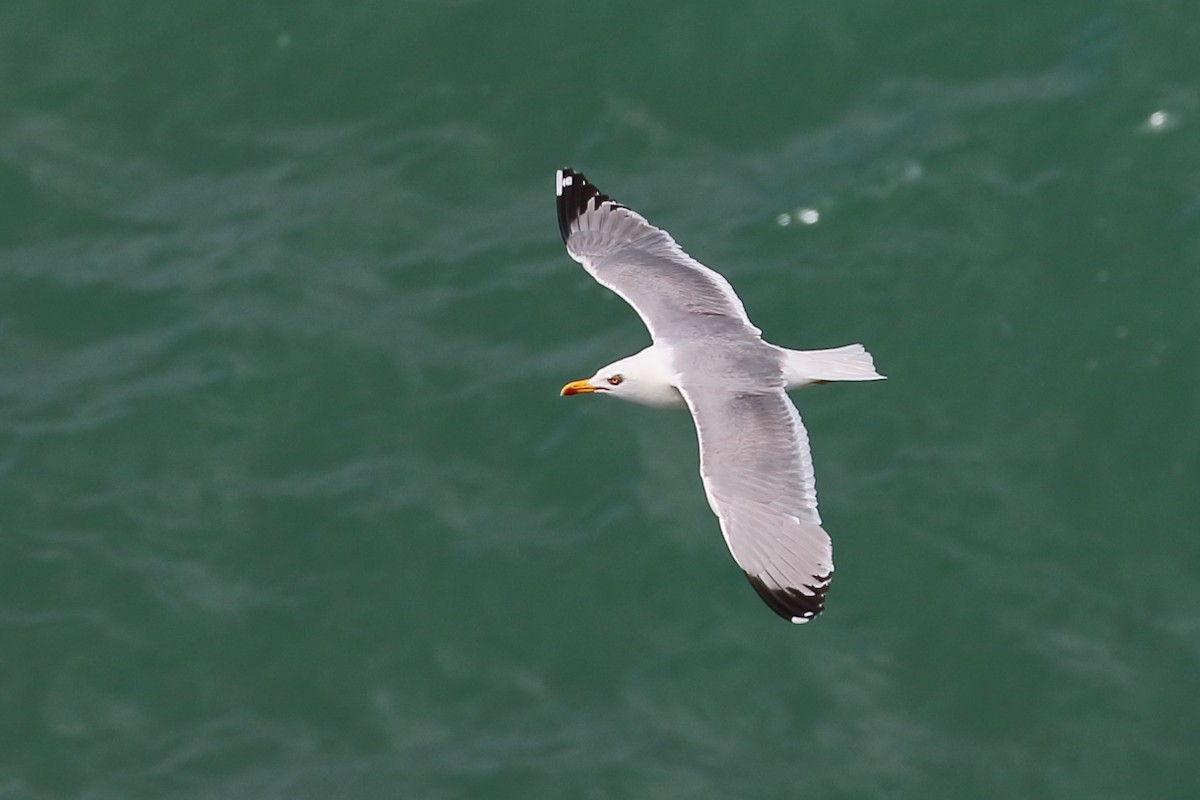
290,506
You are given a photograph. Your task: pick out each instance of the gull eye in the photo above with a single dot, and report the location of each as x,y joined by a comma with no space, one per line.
615,380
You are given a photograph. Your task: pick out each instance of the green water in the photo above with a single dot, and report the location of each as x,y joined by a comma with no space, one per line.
290,506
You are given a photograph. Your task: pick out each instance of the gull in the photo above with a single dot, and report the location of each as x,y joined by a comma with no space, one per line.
706,356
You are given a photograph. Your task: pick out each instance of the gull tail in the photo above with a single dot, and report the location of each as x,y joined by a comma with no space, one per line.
849,363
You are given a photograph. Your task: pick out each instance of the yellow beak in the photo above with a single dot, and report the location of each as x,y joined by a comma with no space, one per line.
576,387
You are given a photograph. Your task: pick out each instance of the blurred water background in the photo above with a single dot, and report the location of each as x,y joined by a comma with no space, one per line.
290,506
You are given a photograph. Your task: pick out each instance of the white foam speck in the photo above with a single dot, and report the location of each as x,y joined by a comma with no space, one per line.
1159,121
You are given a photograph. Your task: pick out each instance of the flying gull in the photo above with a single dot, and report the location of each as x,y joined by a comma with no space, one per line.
708,357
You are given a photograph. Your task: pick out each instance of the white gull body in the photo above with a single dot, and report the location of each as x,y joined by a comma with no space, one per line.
707,356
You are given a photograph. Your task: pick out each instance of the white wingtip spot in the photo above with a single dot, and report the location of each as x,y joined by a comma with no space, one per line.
801,620
560,182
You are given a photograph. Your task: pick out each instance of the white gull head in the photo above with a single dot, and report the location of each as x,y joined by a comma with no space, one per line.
645,378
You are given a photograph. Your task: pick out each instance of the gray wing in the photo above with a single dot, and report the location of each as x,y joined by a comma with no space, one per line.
757,471
670,291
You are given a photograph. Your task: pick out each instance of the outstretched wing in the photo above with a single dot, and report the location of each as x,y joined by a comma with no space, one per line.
670,290
757,472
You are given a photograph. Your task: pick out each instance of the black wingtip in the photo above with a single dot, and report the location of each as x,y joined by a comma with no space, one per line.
574,193
792,604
